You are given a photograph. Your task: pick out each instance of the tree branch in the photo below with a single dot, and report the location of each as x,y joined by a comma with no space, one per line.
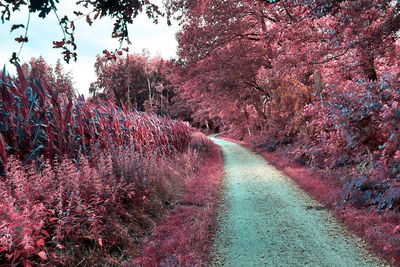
336,57
26,33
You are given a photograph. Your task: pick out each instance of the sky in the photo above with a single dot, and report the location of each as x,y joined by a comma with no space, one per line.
158,39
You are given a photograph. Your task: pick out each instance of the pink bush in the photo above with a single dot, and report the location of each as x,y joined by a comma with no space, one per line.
58,214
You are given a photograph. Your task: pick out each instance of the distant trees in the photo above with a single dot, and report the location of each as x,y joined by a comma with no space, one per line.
56,77
137,81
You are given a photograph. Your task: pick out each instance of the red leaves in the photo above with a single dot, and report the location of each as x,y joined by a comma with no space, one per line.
116,35
58,44
61,204
87,200
42,255
103,124
110,55
40,243
45,233
21,39
89,20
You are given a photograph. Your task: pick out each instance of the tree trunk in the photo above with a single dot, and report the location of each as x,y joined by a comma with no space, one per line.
161,107
317,82
136,104
369,69
248,130
150,95
128,98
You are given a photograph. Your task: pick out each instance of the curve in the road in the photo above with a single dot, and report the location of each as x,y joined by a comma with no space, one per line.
266,220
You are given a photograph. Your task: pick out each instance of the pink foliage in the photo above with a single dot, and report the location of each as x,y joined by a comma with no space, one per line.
36,120
184,237
58,213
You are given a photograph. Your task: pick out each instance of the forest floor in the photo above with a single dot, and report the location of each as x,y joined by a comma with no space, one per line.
266,220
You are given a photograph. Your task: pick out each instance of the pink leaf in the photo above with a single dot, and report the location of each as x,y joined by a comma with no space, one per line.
60,246
40,243
45,233
42,254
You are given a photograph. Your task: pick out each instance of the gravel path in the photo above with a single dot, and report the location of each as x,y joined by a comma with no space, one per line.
266,220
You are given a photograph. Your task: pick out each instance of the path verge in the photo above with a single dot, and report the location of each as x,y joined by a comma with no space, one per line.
184,237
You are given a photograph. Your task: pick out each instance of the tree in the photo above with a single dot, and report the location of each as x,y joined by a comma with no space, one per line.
123,12
137,80
63,80
226,44
60,81
39,69
221,49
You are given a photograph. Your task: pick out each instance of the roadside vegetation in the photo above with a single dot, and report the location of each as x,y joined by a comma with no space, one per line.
314,82
313,85
84,181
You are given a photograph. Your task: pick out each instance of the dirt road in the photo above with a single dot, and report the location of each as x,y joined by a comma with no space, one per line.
266,220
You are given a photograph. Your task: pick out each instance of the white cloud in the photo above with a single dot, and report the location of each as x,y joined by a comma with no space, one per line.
91,40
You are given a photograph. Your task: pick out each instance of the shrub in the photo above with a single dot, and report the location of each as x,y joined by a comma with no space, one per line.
199,142
184,237
94,211
357,118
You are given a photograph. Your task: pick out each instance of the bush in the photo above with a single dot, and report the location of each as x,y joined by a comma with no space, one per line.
92,212
184,237
357,118
200,142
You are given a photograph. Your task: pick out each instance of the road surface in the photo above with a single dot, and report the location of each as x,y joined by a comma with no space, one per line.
266,220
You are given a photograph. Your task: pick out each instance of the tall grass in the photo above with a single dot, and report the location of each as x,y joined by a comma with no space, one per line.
36,120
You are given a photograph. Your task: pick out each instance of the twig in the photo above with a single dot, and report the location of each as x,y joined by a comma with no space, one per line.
59,21
26,32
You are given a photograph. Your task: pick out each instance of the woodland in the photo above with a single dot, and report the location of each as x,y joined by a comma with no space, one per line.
312,84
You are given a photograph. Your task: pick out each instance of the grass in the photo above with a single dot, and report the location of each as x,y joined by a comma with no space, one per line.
184,236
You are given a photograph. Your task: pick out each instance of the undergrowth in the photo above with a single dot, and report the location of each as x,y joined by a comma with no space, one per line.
91,213
184,236
82,181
